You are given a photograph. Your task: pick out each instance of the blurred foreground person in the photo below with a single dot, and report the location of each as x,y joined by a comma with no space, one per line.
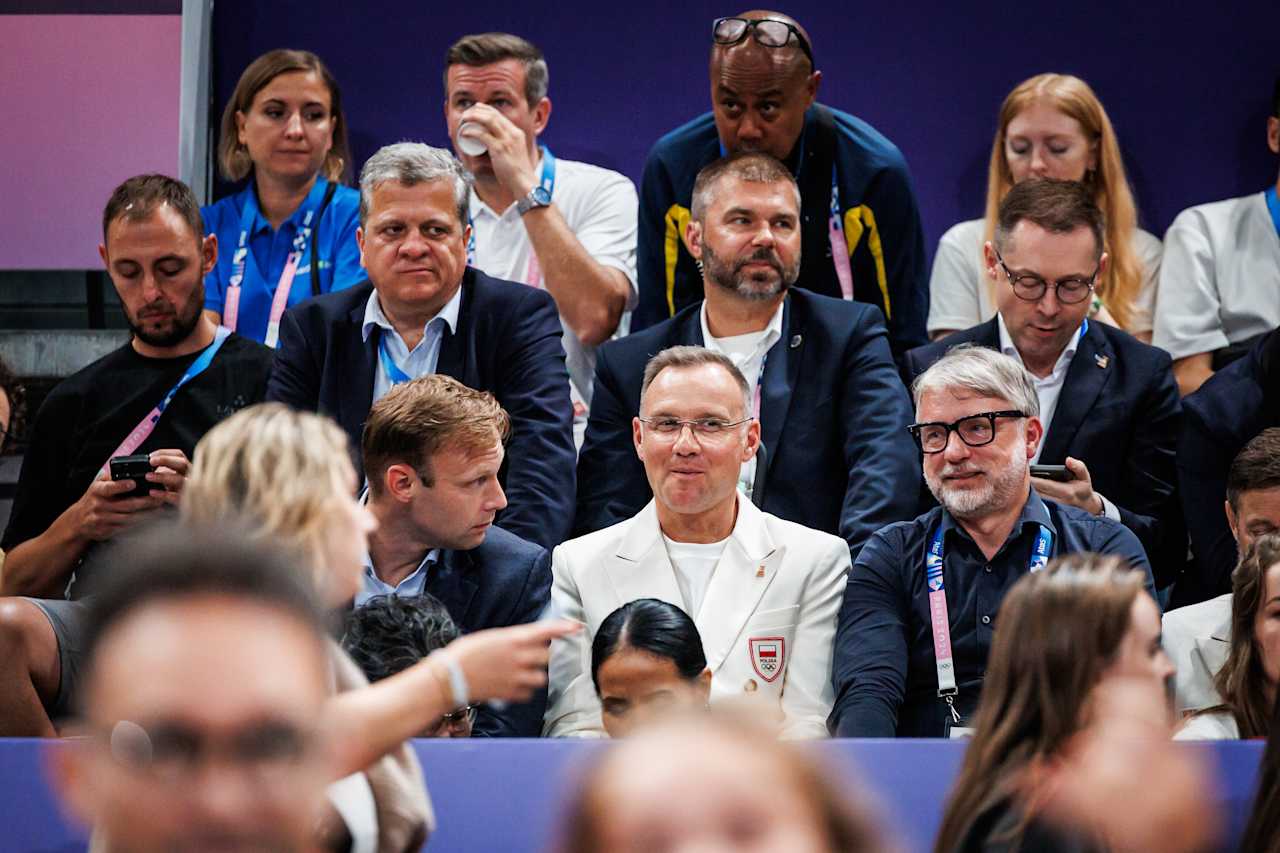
204,688
646,661
696,784
1070,738
1262,833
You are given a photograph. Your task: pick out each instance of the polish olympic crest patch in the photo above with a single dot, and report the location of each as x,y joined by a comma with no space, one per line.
768,656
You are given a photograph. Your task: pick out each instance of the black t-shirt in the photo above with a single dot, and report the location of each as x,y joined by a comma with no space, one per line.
87,416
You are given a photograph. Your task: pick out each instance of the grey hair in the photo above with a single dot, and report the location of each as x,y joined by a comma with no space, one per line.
691,356
411,163
981,371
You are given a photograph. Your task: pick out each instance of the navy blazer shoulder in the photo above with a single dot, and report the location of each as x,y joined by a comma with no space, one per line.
1219,419
833,412
504,581
507,342
1119,412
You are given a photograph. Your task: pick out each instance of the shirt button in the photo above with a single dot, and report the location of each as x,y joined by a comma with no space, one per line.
986,620
987,568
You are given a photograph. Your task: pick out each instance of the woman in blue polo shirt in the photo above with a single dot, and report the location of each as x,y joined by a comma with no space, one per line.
290,234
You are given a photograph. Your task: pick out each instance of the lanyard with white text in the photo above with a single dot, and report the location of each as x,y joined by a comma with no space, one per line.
389,366
533,273
1273,205
231,304
939,620
148,424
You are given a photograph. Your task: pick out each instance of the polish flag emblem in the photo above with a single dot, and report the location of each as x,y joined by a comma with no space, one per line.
768,656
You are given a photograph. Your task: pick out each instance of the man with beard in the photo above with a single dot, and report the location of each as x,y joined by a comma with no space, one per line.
920,607
833,452
158,394
859,222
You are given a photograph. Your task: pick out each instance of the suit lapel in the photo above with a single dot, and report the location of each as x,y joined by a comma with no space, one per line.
1085,379
781,371
641,568
452,583
455,355
745,571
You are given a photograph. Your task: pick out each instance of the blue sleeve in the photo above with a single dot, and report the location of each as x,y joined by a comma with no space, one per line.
892,198
869,669
611,482
1111,537
346,251
884,468
534,389
656,197
522,719
215,281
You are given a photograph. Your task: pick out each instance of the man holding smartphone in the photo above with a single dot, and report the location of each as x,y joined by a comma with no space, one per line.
1109,402
155,396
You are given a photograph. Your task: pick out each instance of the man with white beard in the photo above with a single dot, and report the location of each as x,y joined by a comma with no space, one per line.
919,610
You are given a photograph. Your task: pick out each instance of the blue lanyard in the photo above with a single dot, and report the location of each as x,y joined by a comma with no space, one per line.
1273,205
547,181
389,366
933,561
250,213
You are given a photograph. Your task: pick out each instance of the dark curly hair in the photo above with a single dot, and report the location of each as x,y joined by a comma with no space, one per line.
390,633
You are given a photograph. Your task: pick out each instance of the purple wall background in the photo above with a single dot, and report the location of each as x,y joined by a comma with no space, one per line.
86,100
1187,86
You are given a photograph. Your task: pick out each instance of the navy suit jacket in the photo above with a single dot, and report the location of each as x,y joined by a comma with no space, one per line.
1219,419
1119,413
507,342
833,416
505,581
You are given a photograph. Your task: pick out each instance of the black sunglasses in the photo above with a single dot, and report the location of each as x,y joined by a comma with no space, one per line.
766,31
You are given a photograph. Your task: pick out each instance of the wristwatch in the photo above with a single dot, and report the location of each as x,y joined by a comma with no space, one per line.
537,197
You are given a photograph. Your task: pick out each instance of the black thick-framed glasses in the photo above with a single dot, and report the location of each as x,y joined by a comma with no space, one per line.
1030,287
974,430
767,31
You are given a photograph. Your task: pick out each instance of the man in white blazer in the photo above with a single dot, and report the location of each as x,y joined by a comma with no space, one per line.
1197,638
764,593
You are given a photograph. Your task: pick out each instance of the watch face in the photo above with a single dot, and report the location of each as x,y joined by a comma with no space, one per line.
540,195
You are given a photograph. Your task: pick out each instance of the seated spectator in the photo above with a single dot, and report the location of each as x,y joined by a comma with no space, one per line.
1220,283
432,451
714,783
156,395
1246,680
1051,126
647,660
763,592
291,233
390,633
859,219
1237,403
424,311
1079,625
287,476
176,683
1198,636
834,456
937,582
1108,402
565,226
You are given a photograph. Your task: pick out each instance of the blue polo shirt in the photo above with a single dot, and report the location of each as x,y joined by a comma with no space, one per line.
885,672
336,251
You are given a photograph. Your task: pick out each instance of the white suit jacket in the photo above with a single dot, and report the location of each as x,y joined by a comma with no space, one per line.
1197,639
768,620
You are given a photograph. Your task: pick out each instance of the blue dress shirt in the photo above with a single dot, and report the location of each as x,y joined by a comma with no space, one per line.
885,671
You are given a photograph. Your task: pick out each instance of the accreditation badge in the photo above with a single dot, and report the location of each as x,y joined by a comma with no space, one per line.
768,656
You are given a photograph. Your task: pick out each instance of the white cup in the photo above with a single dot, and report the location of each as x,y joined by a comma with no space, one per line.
468,144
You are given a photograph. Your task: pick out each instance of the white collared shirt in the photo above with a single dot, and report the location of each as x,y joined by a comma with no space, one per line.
371,585
1049,389
424,357
747,352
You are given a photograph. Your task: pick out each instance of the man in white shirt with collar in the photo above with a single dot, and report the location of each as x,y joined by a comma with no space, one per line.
1109,401
424,311
763,592
432,450
830,405
557,224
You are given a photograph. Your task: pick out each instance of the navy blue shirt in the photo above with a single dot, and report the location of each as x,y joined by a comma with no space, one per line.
885,673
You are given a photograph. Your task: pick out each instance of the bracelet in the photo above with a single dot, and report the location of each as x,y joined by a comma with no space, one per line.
457,679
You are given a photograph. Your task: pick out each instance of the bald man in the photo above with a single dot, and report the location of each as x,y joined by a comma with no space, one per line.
764,86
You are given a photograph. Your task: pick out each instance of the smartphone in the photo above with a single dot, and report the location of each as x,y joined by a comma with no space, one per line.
1057,473
134,468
